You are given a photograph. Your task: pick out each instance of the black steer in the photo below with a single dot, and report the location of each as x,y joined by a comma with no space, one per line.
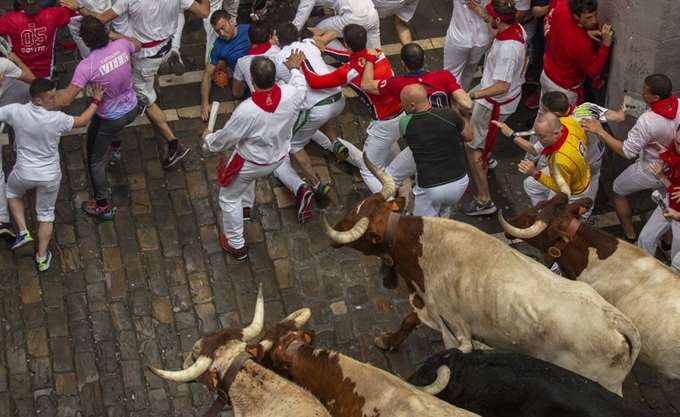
497,384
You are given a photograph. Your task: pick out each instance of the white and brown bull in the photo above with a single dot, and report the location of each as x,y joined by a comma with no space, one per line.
469,285
350,388
222,361
644,289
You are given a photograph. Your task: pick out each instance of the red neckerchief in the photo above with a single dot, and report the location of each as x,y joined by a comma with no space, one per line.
570,110
667,107
513,33
267,100
259,48
557,145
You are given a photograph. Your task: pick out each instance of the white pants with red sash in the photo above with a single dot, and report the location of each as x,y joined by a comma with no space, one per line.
574,95
654,229
239,193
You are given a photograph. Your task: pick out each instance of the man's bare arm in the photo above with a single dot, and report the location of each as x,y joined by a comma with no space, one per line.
205,90
201,8
66,96
499,88
368,84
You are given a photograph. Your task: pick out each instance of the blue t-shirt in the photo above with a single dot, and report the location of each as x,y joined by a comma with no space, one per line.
230,51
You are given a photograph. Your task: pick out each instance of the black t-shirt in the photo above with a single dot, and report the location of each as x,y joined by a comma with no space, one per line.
434,137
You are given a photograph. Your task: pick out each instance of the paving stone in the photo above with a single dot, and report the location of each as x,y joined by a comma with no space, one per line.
180,298
284,198
33,315
148,239
30,290
57,323
21,386
141,203
203,211
127,344
277,245
269,217
207,317
116,285
210,239
193,259
169,241
102,328
282,273
91,399
162,310
81,335
65,234
53,295
36,342
136,182
66,384
41,373
111,259
96,297
253,232
196,185
86,368
113,392
62,357
338,308
77,306
4,383
141,305
201,291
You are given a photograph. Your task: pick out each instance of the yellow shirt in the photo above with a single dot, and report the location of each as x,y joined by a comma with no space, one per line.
571,159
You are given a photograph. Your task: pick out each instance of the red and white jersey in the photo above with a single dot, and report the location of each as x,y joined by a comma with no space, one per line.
315,63
261,127
379,107
242,68
33,36
440,86
506,61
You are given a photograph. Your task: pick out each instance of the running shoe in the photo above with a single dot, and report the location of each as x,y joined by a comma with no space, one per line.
240,254
180,153
22,239
475,208
247,215
103,213
491,162
321,191
43,262
340,150
114,156
304,200
7,232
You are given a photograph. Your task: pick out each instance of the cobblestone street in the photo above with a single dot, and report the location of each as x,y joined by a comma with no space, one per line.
137,291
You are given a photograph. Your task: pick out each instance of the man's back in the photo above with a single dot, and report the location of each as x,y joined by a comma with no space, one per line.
33,36
440,85
242,70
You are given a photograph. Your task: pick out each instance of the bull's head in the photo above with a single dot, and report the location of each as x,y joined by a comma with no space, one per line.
213,354
364,227
546,226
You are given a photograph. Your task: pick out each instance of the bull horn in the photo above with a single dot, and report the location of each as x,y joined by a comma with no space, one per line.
199,367
255,327
388,185
349,236
559,179
530,232
300,317
442,381
266,345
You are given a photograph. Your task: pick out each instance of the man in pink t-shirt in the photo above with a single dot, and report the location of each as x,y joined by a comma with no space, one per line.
109,65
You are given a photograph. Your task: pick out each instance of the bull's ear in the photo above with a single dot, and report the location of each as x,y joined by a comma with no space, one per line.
398,204
308,337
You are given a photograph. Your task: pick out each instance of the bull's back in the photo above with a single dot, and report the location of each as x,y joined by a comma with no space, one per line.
512,302
643,290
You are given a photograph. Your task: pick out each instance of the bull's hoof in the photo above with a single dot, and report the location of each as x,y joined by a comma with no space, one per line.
382,343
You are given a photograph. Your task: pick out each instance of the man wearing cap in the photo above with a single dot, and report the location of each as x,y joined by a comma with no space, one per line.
496,98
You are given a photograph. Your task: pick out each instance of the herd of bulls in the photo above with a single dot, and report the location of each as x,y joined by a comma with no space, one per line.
562,347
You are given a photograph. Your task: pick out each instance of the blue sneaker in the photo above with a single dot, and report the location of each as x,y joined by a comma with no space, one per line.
23,238
43,262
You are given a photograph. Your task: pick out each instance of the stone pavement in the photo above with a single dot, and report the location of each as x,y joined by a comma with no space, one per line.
74,341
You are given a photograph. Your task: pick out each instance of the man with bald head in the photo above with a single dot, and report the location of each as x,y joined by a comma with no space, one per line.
435,136
561,141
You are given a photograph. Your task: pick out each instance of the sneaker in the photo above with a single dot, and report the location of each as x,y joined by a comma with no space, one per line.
491,162
533,101
7,232
321,191
43,263
114,156
475,208
103,213
238,254
340,150
23,238
175,63
247,216
304,200
180,153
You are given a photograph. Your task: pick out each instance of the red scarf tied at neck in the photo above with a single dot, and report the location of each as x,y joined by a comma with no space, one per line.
667,107
267,100
259,48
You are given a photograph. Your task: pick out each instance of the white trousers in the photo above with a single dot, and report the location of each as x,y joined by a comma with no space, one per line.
371,23
636,177
462,61
403,166
380,148
316,118
210,34
437,201
4,211
238,194
548,85
45,194
654,229
538,192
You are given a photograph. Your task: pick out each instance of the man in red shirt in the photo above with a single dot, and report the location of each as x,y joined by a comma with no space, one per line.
570,54
442,90
385,111
32,31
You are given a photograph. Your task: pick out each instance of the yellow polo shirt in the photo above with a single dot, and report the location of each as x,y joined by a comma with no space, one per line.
571,159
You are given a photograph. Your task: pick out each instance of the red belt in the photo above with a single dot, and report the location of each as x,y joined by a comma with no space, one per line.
227,172
493,129
153,43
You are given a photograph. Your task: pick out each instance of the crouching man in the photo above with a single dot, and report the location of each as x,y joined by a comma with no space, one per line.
259,130
38,130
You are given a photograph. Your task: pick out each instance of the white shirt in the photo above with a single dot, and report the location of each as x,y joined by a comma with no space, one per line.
506,61
357,8
315,63
404,9
466,28
650,127
8,69
96,5
150,20
242,69
38,132
259,136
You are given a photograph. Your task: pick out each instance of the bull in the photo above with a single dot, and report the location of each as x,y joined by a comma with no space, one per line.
469,285
349,388
638,284
503,384
222,361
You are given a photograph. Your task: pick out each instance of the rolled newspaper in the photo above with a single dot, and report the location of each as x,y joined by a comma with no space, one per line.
211,120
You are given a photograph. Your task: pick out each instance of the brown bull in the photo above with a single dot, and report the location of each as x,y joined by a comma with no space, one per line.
644,289
469,285
222,361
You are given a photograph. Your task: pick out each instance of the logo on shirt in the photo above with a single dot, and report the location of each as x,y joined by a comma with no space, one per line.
114,63
33,39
